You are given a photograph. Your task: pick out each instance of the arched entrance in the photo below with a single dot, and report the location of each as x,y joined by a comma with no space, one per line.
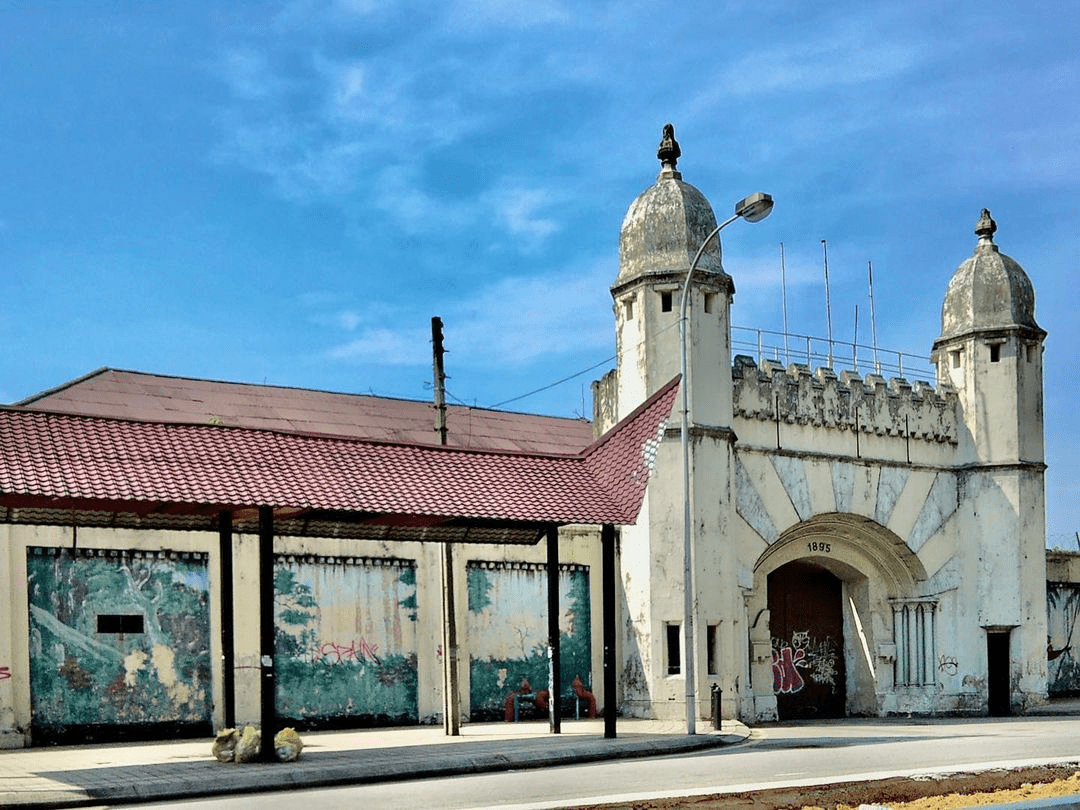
807,628
828,583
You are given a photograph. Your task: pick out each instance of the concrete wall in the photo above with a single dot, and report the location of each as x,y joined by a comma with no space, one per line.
367,610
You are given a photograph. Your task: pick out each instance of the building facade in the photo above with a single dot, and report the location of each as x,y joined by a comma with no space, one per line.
860,546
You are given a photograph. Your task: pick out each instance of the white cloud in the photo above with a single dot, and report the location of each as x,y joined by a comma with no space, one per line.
468,15
519,210
248,75
512,322
386,347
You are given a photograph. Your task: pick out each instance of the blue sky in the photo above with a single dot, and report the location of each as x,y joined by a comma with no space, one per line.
287,192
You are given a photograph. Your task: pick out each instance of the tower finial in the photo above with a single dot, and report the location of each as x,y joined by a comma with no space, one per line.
669,151
985,228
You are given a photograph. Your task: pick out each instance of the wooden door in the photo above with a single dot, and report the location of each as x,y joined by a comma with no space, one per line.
807,628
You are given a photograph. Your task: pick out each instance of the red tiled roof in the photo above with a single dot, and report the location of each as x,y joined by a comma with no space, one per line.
50,460
180,400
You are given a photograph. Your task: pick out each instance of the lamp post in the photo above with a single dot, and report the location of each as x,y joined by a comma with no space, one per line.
753,209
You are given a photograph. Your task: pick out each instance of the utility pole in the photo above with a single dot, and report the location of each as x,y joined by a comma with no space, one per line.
451,704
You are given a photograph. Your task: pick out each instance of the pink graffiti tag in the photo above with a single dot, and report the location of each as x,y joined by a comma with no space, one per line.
786,678
334,653
5,673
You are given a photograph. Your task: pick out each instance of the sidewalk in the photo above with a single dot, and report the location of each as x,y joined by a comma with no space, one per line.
77,776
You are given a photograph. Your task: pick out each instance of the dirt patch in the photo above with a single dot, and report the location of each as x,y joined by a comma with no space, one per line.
962,790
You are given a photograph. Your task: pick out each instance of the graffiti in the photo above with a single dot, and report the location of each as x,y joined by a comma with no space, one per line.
345,643
786,678
333,653
948,664
817,659
5,673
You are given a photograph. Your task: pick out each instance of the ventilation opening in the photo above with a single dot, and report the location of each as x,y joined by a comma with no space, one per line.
628,309
710,302
674,657
712,638
120,623
954,358
665,301
995,352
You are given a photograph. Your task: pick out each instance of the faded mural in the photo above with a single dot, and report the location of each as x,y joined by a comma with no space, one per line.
345,641
119,643
1062,607
507,627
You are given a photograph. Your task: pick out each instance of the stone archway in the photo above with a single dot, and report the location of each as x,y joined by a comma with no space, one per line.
869,565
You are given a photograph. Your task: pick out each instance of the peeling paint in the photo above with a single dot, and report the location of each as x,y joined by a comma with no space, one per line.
97,618
507,631
345,641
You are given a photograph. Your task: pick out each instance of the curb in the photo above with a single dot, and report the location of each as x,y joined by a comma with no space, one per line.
203,779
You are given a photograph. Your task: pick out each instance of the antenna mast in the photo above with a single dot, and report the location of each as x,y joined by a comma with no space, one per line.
873,318
783,287
828,302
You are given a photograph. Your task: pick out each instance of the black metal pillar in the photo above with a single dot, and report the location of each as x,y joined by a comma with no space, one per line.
228,635
607,564
268,682
451,698
554,674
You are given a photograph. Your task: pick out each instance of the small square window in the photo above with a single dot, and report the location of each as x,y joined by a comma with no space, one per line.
674,656
120,623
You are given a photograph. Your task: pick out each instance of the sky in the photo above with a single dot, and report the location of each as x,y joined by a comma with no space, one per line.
287,192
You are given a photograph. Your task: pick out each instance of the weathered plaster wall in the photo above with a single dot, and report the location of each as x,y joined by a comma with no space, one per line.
118,639
1063,609
345,640
507,629
579,546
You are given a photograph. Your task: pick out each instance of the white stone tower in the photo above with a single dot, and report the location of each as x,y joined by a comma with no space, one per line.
991,351
661,233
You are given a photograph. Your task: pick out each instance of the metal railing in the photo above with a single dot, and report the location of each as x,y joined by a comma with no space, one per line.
815,352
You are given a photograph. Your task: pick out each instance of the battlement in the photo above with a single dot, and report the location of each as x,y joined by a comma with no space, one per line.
869,404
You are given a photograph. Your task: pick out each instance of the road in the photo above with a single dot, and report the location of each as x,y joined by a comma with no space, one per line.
774,756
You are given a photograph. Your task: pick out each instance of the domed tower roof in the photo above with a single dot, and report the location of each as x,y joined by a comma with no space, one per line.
667,223
989,291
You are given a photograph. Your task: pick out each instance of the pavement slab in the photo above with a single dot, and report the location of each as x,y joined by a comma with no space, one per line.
74,776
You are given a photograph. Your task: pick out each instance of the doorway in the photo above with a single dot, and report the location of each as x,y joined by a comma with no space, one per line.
807,628
997,673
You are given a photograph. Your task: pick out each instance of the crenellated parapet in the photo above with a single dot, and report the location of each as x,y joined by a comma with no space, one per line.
869,404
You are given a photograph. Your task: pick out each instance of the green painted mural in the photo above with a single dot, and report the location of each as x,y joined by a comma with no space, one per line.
345,645
1063,662
507,629
119,644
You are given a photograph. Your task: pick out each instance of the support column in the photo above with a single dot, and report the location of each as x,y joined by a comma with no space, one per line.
268,681
607,565
228,646
451,699
554,673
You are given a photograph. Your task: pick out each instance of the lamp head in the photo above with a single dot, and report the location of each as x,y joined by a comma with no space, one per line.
755,207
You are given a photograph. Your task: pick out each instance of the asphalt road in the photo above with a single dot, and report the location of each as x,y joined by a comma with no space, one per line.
774,756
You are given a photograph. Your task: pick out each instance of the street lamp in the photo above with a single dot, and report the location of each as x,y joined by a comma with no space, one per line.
753,209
